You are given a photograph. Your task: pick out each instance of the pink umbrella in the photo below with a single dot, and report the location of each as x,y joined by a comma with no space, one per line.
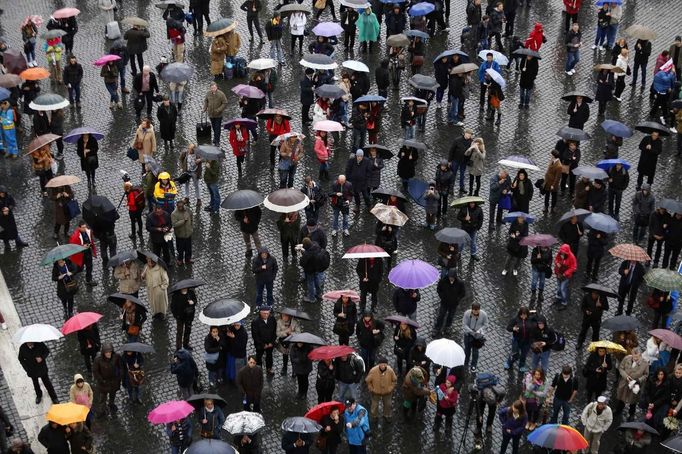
37,21
65,13
328,126
248,91
170,411
80,321
101,61
336,294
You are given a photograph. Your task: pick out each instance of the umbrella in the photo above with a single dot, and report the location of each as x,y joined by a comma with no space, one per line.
37,332
355,65
572,134
98,210
261,64
453,235
602,222
413,274
80,321
606,164
248,91
327,29
518,162
244,423
621,323
638,425
608,67
210,446
67,413
301,425
242,199
329,91
527,52
197,400
640,32
676,104
120,299
398,319
319,411
422,82
135,21
610,347
286,200
75,134
416,189
327,125
557,436
177,72
369,98
209,153
652,126
421,9
669,337
170,411
293,8
61,252
593,173
137,347
539,239
389,214
511,217
672,206
389,193
11,80
499,57
673,443
580,213
286,136
15,62
409,143
572,95
399,40
242,122
416,34
144,255
101,61
449,53
48,101
413,98
62,180
122,257
294,313
462,201
329,352
52,34
594,287
627,251
4,93
334,295
224,311
65,13
662,279
616,128
40,141
220,27
445,352
318,61
464,68
186,283
270,113
355,4
305,338
365,251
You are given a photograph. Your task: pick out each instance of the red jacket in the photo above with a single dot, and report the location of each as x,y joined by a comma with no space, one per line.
536,38
565,266
275,129
321,150
573,6
239,147
449,400
76,239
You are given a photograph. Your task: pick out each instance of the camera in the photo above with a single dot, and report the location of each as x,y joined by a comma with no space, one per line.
125,177
473,391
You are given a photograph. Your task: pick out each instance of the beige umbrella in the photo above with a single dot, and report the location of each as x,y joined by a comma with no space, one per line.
464,68
389,215
40,141
62,180
608,67
640,32
135,21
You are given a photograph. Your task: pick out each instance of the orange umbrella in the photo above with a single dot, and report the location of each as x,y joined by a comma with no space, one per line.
36,73
67,413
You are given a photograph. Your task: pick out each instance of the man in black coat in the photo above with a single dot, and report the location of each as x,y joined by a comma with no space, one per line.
658,225
264,333
307,85
136,39
579,113
593,306
631,276
529,71
471,217
570,233
451,290
405,302
183,307
7,221
597,197
381,77
358,171
673,242
145,86
32,356
458,160
159,223
369,271
650,147
53,437
249,220
312,230
314,276
264,266
72,77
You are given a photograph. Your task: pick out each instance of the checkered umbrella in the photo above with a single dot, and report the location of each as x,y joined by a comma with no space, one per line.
629,251
662,279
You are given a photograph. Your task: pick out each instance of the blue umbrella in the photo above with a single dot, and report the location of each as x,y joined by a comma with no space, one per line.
392,1
416,188
450,53
369,98
4,94
511,217
74,134
602,222
417,34
616,128
601,2
591,172
421,9
606,164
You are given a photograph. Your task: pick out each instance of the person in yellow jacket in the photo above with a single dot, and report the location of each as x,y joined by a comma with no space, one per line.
53,51
165,192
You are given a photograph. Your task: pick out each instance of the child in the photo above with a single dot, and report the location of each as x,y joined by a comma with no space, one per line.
53,51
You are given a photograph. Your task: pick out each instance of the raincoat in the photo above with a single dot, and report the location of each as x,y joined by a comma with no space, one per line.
368,26
9,134
156,280
359,425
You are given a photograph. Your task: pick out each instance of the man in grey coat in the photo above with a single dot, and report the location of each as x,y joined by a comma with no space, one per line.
474,322
643,204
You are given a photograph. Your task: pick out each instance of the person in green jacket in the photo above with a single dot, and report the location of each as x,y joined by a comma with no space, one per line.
181,218
211,177
368,29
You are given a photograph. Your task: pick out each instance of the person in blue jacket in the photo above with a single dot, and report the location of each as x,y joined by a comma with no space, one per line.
664,83
485,80
357,426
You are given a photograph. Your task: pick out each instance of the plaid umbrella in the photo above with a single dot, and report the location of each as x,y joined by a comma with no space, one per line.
662,279
629,251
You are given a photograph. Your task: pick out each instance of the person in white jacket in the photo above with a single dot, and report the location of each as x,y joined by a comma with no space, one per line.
622,63
597,418
297,22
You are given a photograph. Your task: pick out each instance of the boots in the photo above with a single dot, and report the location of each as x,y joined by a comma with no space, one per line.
499,118
541,297
437,423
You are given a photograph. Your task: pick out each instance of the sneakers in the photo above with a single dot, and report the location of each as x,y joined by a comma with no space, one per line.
334,232
617,98
593,46
346,232
504,272
515,272
673,130
459,123
569,73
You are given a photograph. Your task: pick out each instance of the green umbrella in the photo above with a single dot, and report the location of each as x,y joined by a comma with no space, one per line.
61,252
665,280
467,199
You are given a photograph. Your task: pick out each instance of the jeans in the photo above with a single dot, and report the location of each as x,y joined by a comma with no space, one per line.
286,177
572,59
112,88
557,406
409,131
195,183
122,77
472,245
461,166
184,248
347,390
314,283
601,36
537,279
358,138
453,112
75,92
276,52
562,291
615,197
30,49
611,35
525,96
216,125
344,211
440,92
214,195
542,359
470,352
506,438
519,350
260,286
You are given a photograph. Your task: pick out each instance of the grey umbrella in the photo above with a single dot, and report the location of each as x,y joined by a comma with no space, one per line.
198,399
570,96
306,338
210,446
638,425
573,134
602,222
329,91
672,206
318,61
527,52
294,8
621,323
580,213
122,257
653,126
144,255
177,72
423,82
453,235
413,144
209,153
220,26
242,199
594,287
120,298
137,347
49,101
301,425
591,172
294,313
51,34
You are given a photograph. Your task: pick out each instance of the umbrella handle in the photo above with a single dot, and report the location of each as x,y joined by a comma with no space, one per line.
365,269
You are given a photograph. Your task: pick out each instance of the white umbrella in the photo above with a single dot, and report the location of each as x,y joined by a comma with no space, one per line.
244,423
328,126
413,98
445,352
282,137
518,162
499,57
355,66
497,77
38,332
318,61
355,4
261,64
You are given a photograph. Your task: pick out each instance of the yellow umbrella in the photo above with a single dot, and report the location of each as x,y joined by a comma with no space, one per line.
67,413
610,347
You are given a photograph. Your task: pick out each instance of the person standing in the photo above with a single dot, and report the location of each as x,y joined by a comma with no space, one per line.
633,372
368,29
64,272
135,201
235,341
7,221
658,225
370,272
518,230
301,367
451,291
529,71
273,31
471,217
182,220
158,224
357,426
565,265
214,355
631,277
564,389
83,236
643,205
264,333
89,343
86,149
593,306
369,332
53,437
290,152
186,372
167,114
381,383
250,383
211,419
212,177
183,307
120,49
107,370
215,103
264,267
358,171
573,42
72,77
500,196
458,157
497,19
673,242
156,281
553,177
200,10
32,356
597,418
145,85
249,220
541,268
650,147
520,327
514,421
136,39
474,323
340,197
109,73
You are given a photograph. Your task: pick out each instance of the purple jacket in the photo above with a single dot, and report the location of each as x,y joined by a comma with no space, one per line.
516,426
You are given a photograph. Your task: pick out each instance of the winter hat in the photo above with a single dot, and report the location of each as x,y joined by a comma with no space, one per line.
360,153
452,272
382,360
602,399
452,379
311,222
107,347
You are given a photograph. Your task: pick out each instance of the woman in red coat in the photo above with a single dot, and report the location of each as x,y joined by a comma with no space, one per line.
239,139
537,35
276,126
572,10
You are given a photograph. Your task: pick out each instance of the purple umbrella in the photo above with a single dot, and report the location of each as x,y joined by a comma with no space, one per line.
539,239
327,29
74,134
243,122
248,91
413,274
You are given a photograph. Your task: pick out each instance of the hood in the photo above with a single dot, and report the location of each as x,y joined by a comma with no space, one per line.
537,27
77,377
263,249
107,347
182,354
565,248
541,319
420,342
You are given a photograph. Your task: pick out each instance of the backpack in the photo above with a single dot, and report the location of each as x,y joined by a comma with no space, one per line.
239,67
559,342
112,30
323,260
485,380
140,201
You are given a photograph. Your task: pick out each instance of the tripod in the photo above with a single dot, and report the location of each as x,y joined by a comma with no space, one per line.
473,402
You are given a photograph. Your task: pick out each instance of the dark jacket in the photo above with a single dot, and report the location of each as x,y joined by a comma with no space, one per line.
119,48
346,191
73,74
373,269
618,180
180,307
458,148
349,17
595,246
604,87
529,71
62,293
270,272
89,161
54,439
578,117
475,218
349,371
345,326
289,438
307,94
543,263
248,6
168,117
511,426
263,332
358,173
673,236
28,356
395,23
107,373
88,340
649,158
596,199
632,279
136,40
450,293
273,31
445,180
406,166
318,236
595,308
596,381
157,220
300,364
403,302
153,85
514,247
236,347
325,376
366,338
185,369
656,222
253,216
571,233
250,381
642,51
381,77
474,13
81,441
525,329
546,335
375,165
496,188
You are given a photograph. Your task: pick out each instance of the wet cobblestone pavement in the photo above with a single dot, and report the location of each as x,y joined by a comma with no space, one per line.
218,246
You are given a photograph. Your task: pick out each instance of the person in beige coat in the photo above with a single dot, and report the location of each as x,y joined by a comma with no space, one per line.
633,371
552,180
128,275
145,141
218,53
381,382
81,393
286,326
156,280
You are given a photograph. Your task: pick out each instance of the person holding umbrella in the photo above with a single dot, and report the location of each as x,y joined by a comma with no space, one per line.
63,273
62,196
89,343
578,112
593,306
133,317
301,366
631,276
370,272
516,250
86,149
658,226
41,159
156,281
83,236
522,192
7,222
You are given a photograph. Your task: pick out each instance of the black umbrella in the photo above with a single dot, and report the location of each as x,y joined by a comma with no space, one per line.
329,91
186,283
413,144
242,199
210,446
674,443
382,151
652,126
572,134
301,425
389,192
224,311
572,95
453,235
672,206
209,153
294,313
122,257
120,298
144,255
137,347
306,338
527,52
98,211
638,425
197,400
422,82
594,287
400,319
621,323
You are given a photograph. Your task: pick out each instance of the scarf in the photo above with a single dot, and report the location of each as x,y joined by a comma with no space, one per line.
238,134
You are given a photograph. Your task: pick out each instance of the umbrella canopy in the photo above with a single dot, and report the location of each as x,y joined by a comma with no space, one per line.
580,213
415,99
621,323
144,255
399,40
334,295
98,210
327,29
40,141
557,436
672,206
220,27
518,162
365,251
389,192
453,235
137,347
652,126
662,279
422,82
602,222
594,287
369,98
462,201
319,411
416,34
120,299
271,113
242,122
248,91
574,94
294,8
417,188
538,239
197,400
445,352
261,64
177,72
616,128
210,446
355,4
328,126
186,283
611,347
329,91
4,93
606,164
573,134
65,13
52,34
608,67
667,336
170,411
10,80
305,338
627,251
224,311
450,52
497,77
75,134
49,101
38,332
62,180
673,443
36,73
413,274
329,352
101,61
286,200
135,21
301,425
278,140
244,423
593,173
640,32
294,313
638,425
409,143
67,413
61,252
527,52
209,153
464,68
355,65
242,199
421,9
511,217
389,214
318,61
499,57
398,319
122,257
80,321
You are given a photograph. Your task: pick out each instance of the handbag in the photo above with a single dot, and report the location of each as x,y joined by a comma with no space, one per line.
72,208
133,154
133,330
417,60
321,443
203,128
505,202
565,169
211,358
71,285
157,98
478,343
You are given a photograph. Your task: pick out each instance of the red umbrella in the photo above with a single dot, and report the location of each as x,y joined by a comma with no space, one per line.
329,352
667,336
334,295
365,251
321,410
80,321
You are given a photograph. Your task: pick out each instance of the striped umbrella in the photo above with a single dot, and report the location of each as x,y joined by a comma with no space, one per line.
558,436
